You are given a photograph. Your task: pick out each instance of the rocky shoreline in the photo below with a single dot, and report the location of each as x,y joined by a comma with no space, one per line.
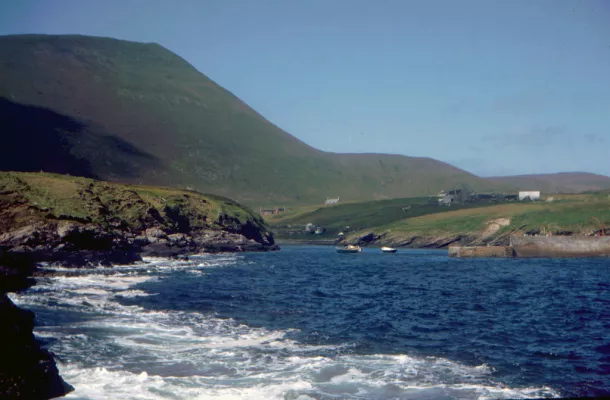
77,222
425,241
84,245
28,371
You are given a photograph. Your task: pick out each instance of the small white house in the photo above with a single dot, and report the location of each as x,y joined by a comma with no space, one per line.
532,195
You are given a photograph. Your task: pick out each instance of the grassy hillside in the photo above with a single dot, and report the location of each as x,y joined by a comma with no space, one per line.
30,198
496,223
138,113
556,218
361,216
567,182
404,221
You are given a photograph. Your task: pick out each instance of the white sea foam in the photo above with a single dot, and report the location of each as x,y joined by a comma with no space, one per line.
127,352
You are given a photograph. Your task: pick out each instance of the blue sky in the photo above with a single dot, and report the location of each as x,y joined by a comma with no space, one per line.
494,87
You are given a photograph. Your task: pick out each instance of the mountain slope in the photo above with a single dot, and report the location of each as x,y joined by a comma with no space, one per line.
566,182
138,113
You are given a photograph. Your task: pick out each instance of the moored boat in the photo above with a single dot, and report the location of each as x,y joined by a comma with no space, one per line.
349,249
386,249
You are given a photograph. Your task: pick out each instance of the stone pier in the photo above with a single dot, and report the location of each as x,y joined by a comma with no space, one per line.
561,246
540,246
481,251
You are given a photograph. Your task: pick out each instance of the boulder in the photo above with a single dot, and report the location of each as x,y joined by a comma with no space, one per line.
26,370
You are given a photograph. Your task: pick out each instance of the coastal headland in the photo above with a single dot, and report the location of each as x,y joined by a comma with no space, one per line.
79,222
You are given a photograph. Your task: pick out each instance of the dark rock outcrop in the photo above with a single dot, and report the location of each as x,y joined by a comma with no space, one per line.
74,244
367,238
26,370
71,244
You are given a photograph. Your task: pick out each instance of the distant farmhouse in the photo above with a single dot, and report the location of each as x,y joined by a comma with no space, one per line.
271,211
453,197
331,202
531,195
315,229
461,196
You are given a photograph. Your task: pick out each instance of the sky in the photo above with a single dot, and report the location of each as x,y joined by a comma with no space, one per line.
493,87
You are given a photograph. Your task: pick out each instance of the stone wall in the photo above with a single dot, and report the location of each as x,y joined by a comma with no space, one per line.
480,251
561,246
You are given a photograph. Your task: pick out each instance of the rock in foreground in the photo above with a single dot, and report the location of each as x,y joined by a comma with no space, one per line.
26,370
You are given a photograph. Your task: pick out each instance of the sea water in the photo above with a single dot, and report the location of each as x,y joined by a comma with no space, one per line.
308,323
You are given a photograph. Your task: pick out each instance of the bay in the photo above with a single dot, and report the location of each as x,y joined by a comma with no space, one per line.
308,323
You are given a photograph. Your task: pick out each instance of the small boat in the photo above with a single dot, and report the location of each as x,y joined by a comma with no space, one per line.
349,249
386,249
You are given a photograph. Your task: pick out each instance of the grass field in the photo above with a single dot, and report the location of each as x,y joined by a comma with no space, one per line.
82,199
556,218
564,215
359,216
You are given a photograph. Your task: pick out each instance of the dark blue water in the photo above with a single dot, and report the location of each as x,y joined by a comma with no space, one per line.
481,328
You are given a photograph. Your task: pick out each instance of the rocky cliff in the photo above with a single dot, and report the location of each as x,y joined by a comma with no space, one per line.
26,370
80,222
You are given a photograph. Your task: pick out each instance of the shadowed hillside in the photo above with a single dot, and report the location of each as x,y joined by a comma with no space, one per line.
138,113
37,139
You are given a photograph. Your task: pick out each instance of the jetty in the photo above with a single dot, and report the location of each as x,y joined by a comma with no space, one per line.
540,246
481,251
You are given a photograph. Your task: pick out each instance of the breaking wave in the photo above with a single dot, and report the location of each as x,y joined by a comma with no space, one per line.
110,349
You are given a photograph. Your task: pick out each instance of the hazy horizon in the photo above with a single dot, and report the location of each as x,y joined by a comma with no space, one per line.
494,88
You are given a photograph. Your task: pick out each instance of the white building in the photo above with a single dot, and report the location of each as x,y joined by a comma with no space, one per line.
330,202
531,195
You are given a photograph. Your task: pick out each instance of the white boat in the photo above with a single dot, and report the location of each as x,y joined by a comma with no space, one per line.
349,249
386,249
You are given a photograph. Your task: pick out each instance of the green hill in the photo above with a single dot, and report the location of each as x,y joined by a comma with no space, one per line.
138,113
495,223
419,222
566,182
361,216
